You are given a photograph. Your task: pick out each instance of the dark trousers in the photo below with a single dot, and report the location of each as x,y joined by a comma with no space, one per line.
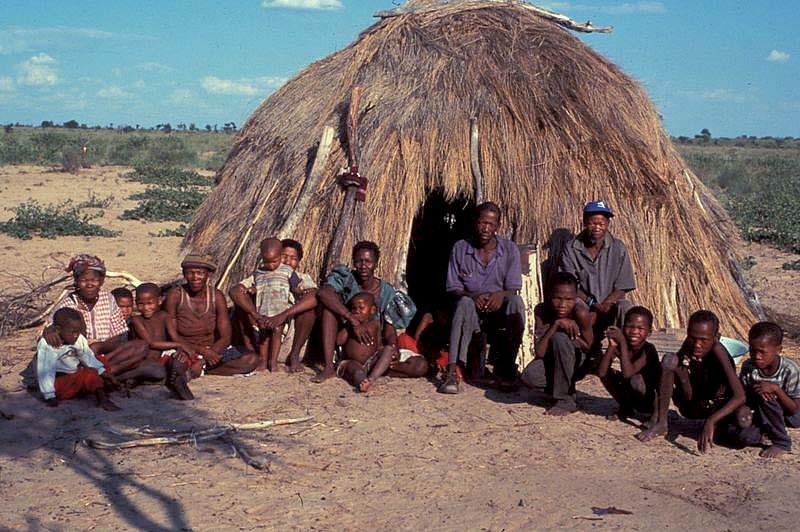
770,419
503,328
563,367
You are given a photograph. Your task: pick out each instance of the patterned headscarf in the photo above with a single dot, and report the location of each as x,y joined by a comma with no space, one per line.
81,263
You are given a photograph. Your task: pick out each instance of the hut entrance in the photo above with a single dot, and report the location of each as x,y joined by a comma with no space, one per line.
436,227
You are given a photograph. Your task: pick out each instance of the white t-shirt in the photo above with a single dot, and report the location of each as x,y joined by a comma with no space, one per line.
64,359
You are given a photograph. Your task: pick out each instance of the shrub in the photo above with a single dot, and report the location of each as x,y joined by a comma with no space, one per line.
165,204
95,202
166,176
178,231
49,221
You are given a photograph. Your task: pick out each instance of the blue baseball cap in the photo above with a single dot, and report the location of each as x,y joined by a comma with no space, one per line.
597,207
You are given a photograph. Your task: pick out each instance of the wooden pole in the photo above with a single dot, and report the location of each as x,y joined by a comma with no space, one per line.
475,161
310,185
348,206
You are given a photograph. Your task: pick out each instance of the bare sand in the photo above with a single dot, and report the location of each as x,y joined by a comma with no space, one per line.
400,457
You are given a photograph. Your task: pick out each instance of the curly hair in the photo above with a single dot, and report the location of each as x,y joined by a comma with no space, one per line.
367,246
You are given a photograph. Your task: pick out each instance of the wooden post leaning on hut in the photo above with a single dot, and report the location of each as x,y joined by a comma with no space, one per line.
350,181
475,161
310,184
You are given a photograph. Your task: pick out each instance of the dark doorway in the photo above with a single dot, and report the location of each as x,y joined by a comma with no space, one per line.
437,226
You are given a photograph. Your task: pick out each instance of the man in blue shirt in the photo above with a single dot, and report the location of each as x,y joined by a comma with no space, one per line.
484,275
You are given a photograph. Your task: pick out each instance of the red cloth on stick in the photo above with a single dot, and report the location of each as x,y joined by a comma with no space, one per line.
70,385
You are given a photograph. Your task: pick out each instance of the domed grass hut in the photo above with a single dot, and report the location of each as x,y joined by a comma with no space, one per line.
445,104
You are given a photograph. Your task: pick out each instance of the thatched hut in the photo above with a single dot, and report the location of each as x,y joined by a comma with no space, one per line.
554,124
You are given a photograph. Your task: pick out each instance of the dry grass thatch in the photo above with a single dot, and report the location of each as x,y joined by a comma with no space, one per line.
559,125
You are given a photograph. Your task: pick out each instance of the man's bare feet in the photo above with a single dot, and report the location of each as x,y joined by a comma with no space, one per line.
106,404
659,429
325,374
561,409
773,451
364,385
293,365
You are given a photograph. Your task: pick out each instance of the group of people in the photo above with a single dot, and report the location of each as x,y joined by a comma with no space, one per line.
94,342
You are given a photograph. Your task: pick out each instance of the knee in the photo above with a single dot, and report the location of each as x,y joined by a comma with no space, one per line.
465,303
560,341
515,304
669,362
419,366
638,384
744,417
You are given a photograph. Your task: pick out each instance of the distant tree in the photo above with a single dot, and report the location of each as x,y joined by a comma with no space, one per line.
192,127
83,126
181,127
71,124
166,128
215,127
705,132
208,127
8,128
47,123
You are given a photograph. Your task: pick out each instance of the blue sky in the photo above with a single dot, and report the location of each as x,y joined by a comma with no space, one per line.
731,67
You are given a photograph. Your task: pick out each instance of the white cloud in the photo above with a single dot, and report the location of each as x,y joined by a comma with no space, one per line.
114,92
6,84
15,40
180,96
216,85
303,4
242,87
626,8
38,70
777,55
139,84
716,94
152,66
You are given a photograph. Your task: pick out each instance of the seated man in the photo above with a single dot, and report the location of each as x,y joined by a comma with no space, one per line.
603,268
484,276
199,320
563,334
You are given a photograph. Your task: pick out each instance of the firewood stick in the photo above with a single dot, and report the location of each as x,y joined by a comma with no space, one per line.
195,436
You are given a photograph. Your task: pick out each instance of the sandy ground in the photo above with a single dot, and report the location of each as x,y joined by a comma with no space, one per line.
399,457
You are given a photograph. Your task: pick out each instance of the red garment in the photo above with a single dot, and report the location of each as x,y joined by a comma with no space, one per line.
406,341
84,380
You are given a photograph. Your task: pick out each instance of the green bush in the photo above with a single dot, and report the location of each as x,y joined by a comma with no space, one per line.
166,176
49,221
170,151
178,231
165,204
95,202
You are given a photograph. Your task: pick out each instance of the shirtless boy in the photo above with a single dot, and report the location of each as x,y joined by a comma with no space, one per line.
701,379
365,356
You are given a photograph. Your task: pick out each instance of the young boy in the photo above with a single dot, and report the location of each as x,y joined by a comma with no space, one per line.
273,284
634,387
305,303
701,380
365,358
124,299
563,334
151,326
72,369
772,387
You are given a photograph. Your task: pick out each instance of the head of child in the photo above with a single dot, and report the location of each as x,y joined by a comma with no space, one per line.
197,270
766,343
702,333
363,307
563,294
124,299
365,259
89,273
68,323
292,253
637,326
148,299
271,249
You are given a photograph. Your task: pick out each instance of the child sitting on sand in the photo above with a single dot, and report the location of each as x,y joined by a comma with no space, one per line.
701,380
71,369
634,387
772,387
175,357
365,356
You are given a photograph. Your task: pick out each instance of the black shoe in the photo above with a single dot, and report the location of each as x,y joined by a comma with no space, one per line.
450,384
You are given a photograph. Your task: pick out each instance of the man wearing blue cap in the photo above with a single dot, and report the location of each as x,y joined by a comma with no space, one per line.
603,268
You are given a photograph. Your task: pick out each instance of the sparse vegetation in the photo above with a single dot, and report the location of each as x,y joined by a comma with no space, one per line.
165,204
49,221
95,202
166,176
177,231
793,265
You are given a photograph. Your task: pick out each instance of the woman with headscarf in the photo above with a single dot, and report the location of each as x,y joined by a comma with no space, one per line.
105,328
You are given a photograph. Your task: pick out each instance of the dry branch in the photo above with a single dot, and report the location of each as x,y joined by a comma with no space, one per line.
475,161
195,436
